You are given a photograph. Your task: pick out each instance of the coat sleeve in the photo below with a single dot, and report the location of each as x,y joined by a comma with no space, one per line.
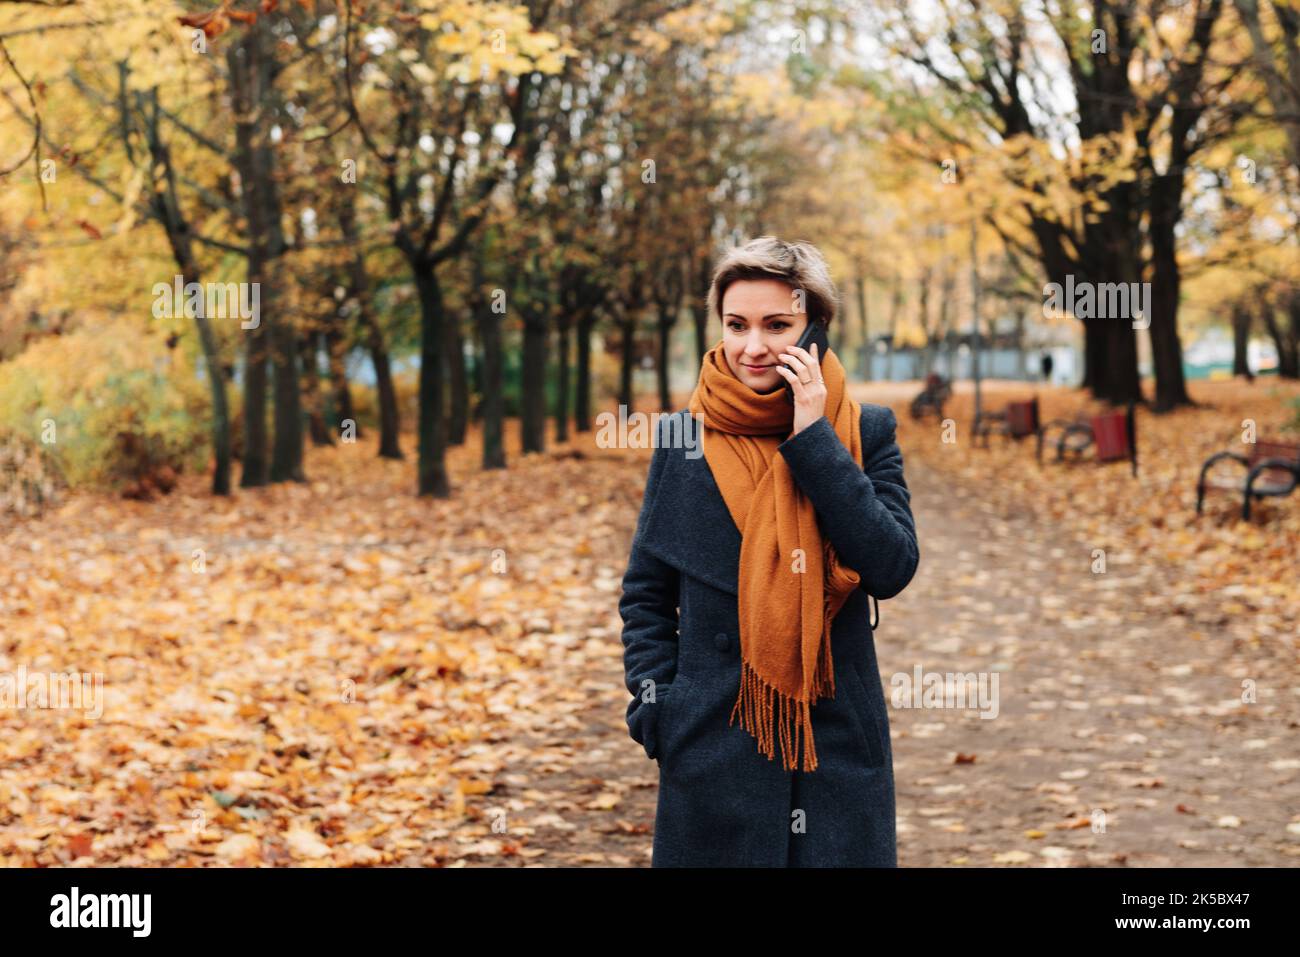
648,607
865,513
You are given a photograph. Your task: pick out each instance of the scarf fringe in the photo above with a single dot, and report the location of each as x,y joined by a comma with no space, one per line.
772,716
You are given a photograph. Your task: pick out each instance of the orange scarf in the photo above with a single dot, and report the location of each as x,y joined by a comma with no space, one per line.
791,583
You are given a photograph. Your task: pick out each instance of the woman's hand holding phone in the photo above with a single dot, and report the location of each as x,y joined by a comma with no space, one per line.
806,381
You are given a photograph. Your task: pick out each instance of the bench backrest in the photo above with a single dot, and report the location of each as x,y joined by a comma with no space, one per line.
1286,451
1022,417
1111,435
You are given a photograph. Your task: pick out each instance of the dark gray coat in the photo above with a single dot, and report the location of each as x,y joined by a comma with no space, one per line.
721,801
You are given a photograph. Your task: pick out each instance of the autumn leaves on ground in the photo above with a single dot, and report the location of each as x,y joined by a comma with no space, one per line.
340,674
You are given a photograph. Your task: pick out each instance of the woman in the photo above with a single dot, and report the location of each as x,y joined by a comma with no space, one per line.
747,639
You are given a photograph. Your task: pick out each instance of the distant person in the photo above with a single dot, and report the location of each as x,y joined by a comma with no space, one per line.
1046,364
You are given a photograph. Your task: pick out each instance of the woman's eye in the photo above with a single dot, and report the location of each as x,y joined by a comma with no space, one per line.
778,326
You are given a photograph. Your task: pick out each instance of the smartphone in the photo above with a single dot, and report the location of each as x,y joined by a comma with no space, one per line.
814,332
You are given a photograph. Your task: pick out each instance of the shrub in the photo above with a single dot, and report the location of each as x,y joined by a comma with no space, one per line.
112,406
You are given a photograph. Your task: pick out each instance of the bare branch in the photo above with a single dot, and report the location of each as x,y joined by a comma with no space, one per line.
35,148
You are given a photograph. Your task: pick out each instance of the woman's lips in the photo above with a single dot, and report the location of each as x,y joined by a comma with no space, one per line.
754,368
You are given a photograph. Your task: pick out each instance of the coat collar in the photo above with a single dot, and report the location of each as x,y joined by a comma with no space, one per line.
689,525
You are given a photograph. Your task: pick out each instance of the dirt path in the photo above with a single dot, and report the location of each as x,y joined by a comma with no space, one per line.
1111,705
1120,738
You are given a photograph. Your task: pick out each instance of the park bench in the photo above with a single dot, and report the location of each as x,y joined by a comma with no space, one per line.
1016,421
1113,436
937,391
1272,468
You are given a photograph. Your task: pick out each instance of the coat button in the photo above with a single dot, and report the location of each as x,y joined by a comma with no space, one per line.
722,641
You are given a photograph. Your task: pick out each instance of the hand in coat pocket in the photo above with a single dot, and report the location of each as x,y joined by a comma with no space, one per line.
865,716
668,714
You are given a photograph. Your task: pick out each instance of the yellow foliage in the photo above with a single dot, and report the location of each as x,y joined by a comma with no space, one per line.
107,403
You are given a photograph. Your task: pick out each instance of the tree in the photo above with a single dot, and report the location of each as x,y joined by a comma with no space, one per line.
422,99
1148,93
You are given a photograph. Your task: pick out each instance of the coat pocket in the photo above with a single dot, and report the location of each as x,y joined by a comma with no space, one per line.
865,714
665,729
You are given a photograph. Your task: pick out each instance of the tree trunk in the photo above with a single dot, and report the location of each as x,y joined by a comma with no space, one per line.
288,447
167,208
1292,338
221,445
1117,378
564,333
390,446
256,464
533,397
582,389
698,281
895,307
1287,340
1020,344
320,432
455,356
661,373
1241,342
221,442
1093,356
628,353
336,347
700,315
251,70
945,326
489,337
431,471
1166,349
390,425
923,319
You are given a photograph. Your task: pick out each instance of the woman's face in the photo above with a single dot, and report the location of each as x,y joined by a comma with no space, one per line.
758,323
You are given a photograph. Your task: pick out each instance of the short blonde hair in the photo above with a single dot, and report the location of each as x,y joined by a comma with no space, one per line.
800,265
